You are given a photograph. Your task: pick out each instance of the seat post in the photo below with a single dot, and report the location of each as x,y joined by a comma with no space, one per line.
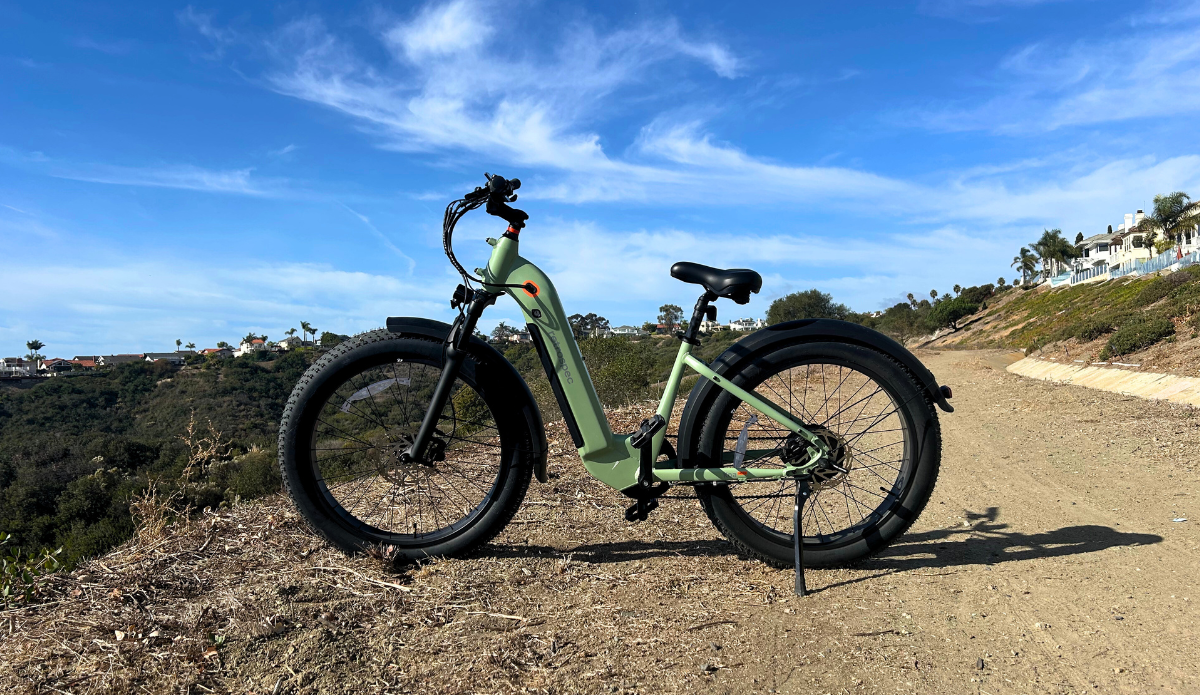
698,315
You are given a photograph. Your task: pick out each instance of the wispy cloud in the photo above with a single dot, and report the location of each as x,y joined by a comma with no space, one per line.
1152,73
975,10
381,236
180,176
111,47
1168,13
283,151
137,306
185,177
457,92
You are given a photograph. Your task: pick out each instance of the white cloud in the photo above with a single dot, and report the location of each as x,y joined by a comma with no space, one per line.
133,307
1147,74
185,177
437,31
463,97
537,114
181,176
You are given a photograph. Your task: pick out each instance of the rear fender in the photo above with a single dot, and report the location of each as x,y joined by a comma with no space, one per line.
788,333
500,369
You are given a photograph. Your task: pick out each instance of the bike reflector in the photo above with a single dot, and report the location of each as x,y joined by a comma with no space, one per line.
373,389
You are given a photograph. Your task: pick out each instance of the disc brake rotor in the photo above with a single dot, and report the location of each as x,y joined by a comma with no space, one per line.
833,468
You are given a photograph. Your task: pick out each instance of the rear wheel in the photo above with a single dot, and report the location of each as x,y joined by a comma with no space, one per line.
875,416
352,415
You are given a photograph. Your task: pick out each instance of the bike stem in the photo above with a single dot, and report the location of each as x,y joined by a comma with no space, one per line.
460,332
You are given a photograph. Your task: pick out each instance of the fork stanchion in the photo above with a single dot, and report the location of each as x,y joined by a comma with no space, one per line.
802,492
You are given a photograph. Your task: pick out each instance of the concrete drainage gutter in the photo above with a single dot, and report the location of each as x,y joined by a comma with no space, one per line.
1149,385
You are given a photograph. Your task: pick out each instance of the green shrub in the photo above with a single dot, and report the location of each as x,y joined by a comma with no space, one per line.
947,313
1160,287
21,572
1137,336
620,370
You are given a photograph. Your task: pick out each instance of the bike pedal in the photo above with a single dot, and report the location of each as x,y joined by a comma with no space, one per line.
639,510
648,429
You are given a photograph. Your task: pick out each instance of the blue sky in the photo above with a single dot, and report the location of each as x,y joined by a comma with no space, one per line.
200,171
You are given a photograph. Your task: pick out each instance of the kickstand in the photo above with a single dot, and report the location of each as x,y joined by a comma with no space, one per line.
802,492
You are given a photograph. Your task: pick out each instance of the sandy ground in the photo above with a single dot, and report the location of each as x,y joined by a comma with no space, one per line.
1048,561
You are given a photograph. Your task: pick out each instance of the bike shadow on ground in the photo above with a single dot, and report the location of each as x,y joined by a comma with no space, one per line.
984,540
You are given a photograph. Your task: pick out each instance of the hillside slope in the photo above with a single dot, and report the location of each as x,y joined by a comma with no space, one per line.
1047,562
1149,323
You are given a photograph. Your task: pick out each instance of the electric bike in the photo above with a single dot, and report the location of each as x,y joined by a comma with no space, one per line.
807,442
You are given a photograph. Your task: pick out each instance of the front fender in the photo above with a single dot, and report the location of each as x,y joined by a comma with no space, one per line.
791,333
498,368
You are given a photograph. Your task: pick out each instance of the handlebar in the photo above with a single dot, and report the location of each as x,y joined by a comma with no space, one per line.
499,192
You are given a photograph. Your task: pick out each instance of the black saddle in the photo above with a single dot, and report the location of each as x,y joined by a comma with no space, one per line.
735,284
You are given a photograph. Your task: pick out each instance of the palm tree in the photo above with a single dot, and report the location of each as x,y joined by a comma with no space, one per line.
1026,262
304,325
958,289
933,294
1173,215
34,346
290,332
178,344
1054,250
190,346
912,301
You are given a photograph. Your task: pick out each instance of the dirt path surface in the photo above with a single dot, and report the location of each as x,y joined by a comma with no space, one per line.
1048,561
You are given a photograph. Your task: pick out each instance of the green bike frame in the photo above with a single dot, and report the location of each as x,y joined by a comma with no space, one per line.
608,457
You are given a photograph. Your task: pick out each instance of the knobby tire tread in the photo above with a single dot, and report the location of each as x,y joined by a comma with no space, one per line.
507,513
935,432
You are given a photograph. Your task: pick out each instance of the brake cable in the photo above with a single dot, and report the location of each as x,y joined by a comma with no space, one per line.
455,212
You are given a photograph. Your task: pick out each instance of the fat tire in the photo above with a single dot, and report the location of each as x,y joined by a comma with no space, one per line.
298,475
750,539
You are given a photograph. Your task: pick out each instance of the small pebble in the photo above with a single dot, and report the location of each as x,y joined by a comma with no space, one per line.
979,664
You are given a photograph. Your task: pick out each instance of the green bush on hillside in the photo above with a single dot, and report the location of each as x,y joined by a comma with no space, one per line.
947,313
620,370
75,450
1137,336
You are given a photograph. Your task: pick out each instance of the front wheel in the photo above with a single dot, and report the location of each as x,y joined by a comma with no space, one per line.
358,408
877,417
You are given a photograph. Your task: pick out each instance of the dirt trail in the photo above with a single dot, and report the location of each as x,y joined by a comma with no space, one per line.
1048,561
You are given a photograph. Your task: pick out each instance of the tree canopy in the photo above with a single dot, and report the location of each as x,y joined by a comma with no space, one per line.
586,326
810,304
669,315
1173,214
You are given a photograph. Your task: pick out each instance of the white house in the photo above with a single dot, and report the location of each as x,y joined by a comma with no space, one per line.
1098,250
289,343
16,366
747,324
707,326
245,348
631,331
519,337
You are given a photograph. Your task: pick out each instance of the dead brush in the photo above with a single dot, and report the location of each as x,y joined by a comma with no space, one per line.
203,449
154,513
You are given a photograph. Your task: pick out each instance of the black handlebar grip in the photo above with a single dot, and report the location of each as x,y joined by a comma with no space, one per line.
514,184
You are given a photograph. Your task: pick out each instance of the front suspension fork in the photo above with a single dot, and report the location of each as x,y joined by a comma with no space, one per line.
460,332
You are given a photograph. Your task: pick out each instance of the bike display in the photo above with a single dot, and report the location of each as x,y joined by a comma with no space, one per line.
811,442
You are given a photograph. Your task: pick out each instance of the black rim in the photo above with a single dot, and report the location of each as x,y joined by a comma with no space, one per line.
367,416
863,414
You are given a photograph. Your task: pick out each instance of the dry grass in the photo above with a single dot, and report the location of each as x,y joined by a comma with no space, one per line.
248,600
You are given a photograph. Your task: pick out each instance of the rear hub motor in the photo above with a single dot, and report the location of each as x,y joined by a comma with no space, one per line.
833,468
